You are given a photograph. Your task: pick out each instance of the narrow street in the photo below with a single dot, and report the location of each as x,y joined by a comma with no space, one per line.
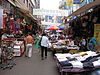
32,66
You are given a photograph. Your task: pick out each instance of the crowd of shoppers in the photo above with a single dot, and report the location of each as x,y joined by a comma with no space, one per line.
42,43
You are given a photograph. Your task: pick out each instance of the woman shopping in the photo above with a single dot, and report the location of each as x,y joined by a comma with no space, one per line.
37,41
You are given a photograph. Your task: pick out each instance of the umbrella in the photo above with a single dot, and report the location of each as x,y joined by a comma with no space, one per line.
58,30
61,27
53,28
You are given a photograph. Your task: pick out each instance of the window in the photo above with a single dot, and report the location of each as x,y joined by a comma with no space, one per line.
0,2
35,0
27,2
29,6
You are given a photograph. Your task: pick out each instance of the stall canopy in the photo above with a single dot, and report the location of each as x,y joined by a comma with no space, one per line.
61,27
31,16
23,10
53,28
85,8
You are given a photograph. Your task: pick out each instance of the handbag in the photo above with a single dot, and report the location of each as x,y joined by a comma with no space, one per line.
39,43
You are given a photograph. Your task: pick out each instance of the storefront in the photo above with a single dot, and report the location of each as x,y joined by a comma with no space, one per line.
86,17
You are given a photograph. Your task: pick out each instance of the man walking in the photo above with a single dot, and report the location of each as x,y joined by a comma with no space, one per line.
29,44
44,45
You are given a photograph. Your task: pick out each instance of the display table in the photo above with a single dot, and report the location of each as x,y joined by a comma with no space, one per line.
72,49
60,46
79,62
59,49
64,49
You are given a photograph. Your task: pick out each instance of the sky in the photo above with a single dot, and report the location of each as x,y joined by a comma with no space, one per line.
49,4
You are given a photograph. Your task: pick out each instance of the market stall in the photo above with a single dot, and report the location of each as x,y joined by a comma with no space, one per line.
19,45
62,46
79,62
19,48
7,54
59,46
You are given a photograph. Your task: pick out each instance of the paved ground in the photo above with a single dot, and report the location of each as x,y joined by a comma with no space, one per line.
33,66
36,66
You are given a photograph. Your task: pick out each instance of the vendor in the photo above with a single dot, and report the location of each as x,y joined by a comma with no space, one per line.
71,42
61,36
91,46
93,40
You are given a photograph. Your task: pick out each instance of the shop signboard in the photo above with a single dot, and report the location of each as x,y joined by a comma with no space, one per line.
69,2
76,2
97,32
1,17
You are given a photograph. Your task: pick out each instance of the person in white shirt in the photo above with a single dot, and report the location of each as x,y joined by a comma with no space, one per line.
44,45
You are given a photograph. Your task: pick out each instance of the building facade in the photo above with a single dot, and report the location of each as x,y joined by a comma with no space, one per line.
37,4
76,5
20,9
26,4
5,4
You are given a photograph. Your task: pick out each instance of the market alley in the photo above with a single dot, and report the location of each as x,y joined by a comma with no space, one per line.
32,66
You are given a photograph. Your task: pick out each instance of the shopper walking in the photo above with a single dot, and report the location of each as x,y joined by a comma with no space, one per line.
44,45
37,41
29,44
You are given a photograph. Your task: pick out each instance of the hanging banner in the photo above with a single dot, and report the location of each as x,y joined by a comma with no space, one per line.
1,18
69,2
50,12
97,32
